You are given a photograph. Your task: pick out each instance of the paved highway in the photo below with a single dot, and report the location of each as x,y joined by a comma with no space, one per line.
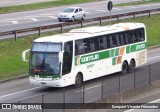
41,17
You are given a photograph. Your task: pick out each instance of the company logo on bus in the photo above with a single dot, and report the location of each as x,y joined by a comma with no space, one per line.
86,59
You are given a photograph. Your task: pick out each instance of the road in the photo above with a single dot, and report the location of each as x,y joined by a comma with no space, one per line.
27,19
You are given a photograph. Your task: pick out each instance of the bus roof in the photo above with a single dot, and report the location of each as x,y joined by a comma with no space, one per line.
89,32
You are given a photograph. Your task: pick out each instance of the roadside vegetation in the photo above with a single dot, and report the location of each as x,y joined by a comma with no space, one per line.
51,4
12,66
41,5
138,2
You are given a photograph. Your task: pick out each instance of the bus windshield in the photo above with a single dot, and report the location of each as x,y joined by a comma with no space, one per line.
44,59
45,63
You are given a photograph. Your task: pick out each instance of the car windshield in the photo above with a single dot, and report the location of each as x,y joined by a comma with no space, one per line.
68,10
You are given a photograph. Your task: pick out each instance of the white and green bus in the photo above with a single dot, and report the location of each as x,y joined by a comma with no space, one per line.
87,53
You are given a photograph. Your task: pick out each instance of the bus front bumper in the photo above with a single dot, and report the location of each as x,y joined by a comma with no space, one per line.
48,83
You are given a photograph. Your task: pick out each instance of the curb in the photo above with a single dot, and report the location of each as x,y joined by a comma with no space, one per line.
15,78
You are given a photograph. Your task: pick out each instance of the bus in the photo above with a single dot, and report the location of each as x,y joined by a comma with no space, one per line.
86,53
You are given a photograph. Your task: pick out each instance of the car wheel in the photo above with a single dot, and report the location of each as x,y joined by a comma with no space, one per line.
83,17
73,18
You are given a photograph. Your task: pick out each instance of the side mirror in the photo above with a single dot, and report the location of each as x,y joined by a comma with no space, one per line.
24,55
61,56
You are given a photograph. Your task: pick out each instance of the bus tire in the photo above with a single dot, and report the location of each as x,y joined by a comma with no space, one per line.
132,65
78,80
124,67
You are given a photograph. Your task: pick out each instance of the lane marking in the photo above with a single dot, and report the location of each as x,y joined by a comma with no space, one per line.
14,22
117,8
52,17
130,7
19,92
153,57
101,10
90,88
88,12
34,19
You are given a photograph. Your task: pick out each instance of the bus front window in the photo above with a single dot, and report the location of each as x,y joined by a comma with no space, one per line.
45,63
44,59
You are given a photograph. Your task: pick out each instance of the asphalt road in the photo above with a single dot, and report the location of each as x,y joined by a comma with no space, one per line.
27,19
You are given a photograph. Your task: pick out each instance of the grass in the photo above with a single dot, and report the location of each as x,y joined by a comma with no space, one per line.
138,2
10,50
42,5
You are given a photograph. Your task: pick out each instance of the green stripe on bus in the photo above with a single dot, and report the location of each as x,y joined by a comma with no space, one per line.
136,47
91,57
82,59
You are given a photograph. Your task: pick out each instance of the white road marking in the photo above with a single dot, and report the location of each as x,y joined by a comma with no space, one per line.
153,57
88,12
116,8
19,92
14,22
34,19
101,10
52,17
130,7
89,88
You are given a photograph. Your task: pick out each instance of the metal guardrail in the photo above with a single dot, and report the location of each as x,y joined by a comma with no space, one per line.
61,25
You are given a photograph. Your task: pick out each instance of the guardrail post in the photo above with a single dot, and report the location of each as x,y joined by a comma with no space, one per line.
102,88
100,20
149,74
134,16
64,99
61,28
81,24
42,102
134,78
15,35
117,18
83,86
149,14
39,31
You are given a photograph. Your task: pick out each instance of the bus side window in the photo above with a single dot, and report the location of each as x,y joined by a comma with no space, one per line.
134,36
126,41
141,34
101,43
121,39
114,40
80,47
67,57
130,37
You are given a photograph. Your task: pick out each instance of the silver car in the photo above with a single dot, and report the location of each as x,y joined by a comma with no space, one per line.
71,14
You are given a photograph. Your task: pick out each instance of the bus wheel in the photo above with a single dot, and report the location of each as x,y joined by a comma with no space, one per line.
124,67
132,65
78,80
